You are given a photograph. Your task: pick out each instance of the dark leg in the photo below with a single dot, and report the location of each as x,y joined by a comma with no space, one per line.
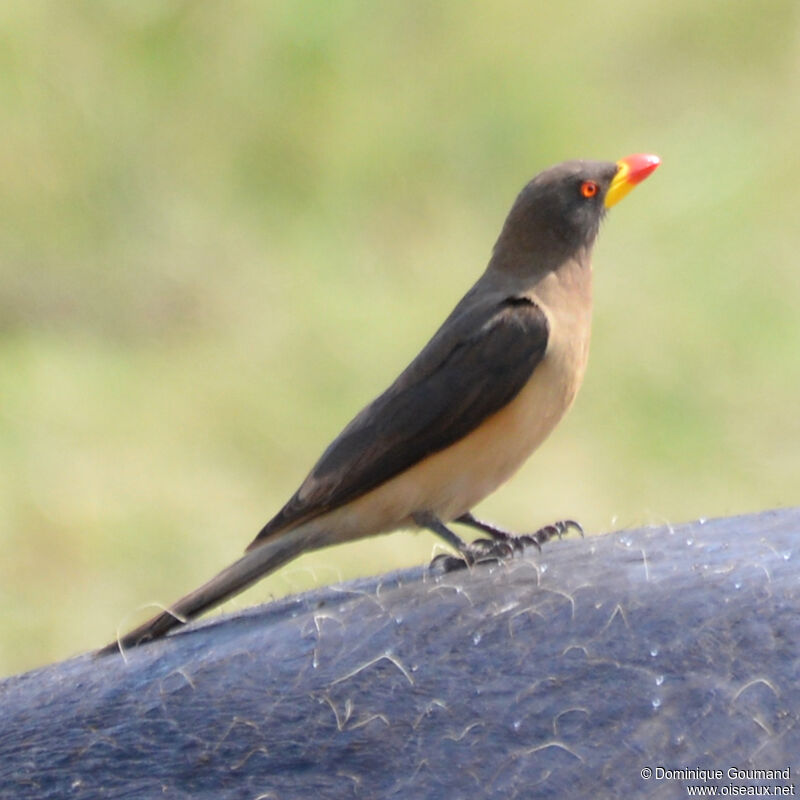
425,519
468,554
497,533
517,542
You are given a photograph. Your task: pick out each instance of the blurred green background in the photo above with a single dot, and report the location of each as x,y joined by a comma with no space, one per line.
225,226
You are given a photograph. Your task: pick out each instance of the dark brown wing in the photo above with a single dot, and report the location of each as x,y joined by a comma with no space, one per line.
470,369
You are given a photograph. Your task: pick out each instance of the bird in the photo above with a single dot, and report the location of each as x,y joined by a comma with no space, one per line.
485,391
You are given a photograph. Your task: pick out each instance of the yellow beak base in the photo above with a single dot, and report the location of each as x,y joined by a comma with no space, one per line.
630,171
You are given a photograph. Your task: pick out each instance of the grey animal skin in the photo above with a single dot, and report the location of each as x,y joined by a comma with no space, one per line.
553,675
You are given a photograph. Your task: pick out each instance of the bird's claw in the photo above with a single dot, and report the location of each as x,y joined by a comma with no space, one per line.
559,528
483,551
450,563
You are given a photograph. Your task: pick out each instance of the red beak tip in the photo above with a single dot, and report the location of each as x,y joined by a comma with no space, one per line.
640,166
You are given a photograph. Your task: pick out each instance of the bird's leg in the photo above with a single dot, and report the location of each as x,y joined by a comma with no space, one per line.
519,541
497,533
426,519
503,543
469,554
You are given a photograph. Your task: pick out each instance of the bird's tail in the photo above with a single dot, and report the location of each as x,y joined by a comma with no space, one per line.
252,566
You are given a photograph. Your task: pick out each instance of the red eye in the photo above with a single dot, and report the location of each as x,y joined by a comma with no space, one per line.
589,189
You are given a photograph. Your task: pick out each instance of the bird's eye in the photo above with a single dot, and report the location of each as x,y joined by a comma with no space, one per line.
589,189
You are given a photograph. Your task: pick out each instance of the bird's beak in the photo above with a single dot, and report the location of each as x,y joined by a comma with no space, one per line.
630,171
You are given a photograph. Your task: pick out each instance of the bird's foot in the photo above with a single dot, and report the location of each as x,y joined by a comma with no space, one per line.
478,552
482,551
502,545
559,528
537,538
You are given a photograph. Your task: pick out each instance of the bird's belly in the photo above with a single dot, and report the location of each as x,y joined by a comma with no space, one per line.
452,481
458,478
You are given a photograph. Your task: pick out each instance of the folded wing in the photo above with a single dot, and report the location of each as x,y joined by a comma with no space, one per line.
456,383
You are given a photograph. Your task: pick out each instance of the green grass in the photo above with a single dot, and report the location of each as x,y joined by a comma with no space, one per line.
224,227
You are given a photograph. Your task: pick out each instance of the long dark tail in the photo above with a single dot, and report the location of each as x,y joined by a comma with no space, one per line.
233,579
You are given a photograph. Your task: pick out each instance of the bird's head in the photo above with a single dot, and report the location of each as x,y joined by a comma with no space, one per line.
559,212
